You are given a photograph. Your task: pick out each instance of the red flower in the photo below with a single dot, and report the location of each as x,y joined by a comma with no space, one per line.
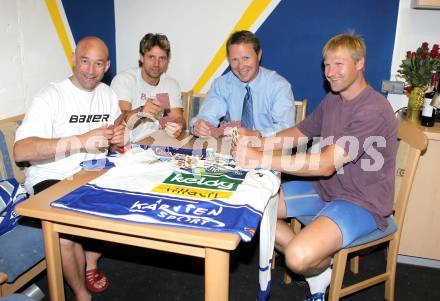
418,66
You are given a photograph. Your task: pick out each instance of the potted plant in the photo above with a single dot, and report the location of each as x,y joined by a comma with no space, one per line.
417,69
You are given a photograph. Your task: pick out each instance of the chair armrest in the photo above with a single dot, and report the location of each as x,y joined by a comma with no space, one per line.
3,277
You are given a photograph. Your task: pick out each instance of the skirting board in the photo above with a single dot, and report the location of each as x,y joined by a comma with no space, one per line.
418,261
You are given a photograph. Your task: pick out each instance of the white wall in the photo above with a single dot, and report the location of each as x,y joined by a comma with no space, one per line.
414,26
195,28
30,54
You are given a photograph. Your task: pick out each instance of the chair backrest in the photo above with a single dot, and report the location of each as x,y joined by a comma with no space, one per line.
17,266
412,142
193,101
192,105
300,110
185,101
8,167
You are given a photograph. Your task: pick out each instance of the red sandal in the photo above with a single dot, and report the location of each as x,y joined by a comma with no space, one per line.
94,276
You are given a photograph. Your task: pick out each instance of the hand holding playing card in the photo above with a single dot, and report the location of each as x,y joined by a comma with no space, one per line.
173,129
203,128
152,108
225,129
164,120
216,132
247,157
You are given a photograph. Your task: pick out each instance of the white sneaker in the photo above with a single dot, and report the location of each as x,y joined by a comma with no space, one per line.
316,297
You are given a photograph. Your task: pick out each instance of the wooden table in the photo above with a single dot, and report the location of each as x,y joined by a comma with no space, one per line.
214,247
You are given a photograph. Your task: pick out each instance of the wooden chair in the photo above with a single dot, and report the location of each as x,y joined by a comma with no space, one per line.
185,101
21,263
191,105
17,297
412,142
300,110
193,101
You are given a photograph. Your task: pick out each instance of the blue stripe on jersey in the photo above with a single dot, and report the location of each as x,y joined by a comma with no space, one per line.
162,210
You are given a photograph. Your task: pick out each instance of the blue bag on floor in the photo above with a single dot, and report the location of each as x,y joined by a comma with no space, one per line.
11,194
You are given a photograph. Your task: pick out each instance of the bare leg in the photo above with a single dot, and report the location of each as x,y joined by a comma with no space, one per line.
283,234
73,261
92,259
310,252
92,263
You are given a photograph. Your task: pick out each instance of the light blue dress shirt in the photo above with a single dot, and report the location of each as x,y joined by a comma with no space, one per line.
273,102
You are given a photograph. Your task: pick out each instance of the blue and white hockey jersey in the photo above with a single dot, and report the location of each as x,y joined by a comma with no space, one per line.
147,190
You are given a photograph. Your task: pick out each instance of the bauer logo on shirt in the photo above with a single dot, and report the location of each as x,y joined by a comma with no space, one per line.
89,118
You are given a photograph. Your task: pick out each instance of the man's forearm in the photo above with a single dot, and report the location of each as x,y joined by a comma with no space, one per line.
304,165
290,132
308,164
282,143
132,118
38,149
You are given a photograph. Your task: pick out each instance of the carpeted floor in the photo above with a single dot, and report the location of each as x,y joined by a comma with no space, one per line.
139,274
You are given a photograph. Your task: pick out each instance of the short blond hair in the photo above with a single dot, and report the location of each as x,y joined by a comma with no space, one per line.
350,41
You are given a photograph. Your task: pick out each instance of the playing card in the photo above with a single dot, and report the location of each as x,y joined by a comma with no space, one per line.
235,135
232,124
120,119
225,129
164,100
216,132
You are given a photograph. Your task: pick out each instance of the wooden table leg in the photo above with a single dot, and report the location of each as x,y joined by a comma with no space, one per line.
216,275
53,261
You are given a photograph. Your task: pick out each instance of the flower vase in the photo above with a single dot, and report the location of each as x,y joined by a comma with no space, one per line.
415,101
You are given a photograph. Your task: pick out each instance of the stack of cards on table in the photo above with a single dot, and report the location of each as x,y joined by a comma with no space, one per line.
225,129
186,161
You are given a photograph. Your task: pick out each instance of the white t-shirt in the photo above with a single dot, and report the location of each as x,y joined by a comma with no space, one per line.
63,110
130,86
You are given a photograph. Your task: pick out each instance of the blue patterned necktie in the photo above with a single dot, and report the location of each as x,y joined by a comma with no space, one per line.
247,119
